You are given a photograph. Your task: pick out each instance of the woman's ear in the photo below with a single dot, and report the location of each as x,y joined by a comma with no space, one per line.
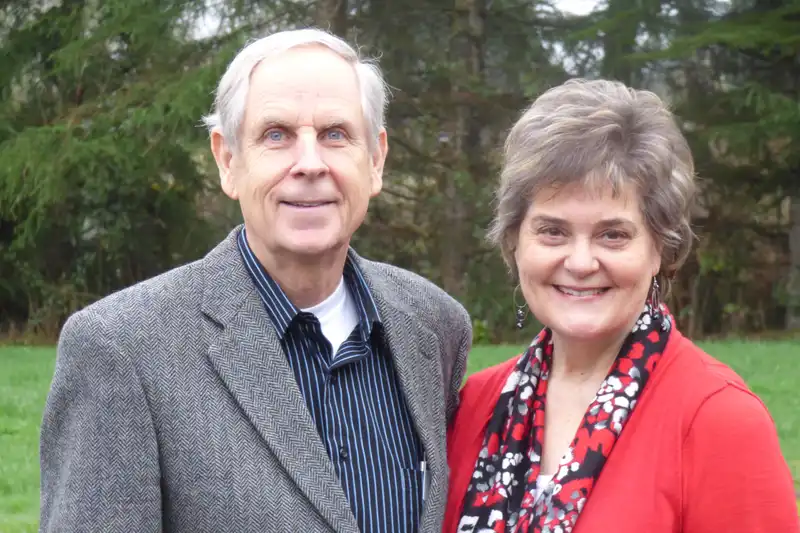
655,267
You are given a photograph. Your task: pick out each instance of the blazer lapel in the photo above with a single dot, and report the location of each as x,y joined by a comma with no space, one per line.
249,359
416,353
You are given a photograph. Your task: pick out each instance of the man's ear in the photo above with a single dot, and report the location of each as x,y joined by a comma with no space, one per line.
223,155
378,161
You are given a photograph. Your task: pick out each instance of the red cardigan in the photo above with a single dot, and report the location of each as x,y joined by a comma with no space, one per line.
699,454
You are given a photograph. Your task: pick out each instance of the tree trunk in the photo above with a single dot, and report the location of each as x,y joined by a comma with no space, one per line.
331,15
466,51
695,328
793,285
620,43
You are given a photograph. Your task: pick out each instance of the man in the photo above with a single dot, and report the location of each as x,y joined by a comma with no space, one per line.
282,382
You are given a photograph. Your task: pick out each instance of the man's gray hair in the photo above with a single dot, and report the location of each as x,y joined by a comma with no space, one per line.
231,93
599,134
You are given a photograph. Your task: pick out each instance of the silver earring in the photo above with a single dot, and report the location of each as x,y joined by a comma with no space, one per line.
655,297
520,310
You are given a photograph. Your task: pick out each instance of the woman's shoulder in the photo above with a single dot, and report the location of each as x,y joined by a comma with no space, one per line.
729,441
707,388
483,387
699,371
732,442
491,376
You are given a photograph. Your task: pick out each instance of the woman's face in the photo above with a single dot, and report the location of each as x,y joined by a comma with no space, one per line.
586,261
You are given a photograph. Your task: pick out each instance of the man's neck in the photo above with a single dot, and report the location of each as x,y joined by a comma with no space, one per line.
306,281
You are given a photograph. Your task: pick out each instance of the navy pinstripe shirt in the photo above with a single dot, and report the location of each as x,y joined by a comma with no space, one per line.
355,401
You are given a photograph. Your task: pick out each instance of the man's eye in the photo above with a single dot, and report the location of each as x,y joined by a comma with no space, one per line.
275,135
335,135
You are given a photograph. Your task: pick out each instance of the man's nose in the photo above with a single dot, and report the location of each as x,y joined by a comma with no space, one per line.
308,156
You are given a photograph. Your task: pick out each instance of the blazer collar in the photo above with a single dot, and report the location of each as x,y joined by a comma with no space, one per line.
246,353
417,354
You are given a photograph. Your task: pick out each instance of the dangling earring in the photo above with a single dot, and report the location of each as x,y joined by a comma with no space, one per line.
655,297
521,312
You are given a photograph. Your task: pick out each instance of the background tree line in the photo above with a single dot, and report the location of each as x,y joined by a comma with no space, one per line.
106,177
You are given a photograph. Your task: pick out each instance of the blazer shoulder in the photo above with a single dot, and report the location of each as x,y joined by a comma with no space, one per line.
422,296
137,306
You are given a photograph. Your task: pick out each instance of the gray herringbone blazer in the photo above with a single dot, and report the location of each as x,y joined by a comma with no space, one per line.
173,407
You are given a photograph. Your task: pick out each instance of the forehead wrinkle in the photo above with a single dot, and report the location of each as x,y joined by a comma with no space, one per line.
306,107
270,115
307,77
278,80
318,113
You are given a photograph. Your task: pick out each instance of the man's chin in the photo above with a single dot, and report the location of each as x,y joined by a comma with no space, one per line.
313,247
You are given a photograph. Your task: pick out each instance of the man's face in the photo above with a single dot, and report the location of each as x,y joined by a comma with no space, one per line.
303,171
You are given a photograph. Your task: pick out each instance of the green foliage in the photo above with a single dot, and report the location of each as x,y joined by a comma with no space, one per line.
96,187
106,178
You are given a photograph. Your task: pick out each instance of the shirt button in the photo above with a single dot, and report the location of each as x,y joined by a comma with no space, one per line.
333,379
343,453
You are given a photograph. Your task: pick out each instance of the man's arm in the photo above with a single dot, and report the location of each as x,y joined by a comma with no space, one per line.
98,451
463,346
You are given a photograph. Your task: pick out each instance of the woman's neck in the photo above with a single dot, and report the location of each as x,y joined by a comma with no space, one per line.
578,360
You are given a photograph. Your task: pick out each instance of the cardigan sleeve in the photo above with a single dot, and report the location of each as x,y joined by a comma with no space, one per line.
735,479
465,433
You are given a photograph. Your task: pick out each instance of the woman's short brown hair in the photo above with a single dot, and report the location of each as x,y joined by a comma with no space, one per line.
599,133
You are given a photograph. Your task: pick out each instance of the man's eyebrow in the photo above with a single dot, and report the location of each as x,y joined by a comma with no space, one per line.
326,124
270,122
329,123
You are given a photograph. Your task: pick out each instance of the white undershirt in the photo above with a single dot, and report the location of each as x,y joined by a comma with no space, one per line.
337,315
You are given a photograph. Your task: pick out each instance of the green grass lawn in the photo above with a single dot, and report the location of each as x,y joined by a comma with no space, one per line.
771,369
24,379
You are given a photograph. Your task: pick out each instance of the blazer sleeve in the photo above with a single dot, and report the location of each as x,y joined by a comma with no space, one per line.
98,452
463,344
735,477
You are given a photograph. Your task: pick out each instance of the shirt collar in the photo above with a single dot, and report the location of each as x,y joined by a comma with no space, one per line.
283,312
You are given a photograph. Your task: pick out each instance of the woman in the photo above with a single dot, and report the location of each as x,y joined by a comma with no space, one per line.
612,421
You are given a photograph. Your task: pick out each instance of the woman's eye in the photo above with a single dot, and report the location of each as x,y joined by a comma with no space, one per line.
614,235
551,231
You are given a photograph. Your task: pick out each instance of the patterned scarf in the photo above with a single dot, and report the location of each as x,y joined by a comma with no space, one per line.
500,496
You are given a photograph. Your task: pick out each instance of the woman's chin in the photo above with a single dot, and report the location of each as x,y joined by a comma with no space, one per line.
584,331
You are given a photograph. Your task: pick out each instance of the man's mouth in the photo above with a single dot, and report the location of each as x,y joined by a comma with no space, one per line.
581,293
306,205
